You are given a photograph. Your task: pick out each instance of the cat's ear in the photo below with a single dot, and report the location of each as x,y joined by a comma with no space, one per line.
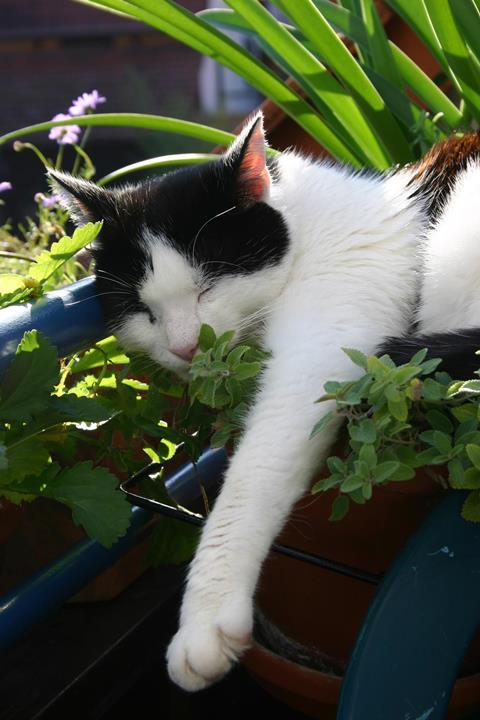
85,201
247,157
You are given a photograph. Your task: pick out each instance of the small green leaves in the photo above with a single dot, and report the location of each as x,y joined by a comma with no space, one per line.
400,419
339,508
323,422
471,507
473,452
364,431
356,357
206,338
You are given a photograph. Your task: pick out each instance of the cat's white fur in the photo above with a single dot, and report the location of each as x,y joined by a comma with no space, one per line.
349,279
451,283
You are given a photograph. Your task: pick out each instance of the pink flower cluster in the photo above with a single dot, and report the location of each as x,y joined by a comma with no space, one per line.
69,134
5,185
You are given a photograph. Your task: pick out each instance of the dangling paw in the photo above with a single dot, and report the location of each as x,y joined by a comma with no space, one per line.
202,652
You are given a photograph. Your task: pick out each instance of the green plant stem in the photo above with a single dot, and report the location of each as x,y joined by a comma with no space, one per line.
59,160
16,256
81,154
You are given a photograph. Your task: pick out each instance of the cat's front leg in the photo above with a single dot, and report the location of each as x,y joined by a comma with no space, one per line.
269,472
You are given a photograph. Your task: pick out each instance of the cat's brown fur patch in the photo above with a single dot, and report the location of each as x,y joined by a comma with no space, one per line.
434,174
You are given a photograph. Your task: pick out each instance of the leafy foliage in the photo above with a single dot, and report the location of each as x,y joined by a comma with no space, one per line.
400,419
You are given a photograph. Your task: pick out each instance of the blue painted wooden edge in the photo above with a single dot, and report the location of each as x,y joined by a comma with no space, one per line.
419,625
45,591
70,317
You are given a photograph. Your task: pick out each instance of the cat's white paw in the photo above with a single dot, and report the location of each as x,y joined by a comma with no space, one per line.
202,652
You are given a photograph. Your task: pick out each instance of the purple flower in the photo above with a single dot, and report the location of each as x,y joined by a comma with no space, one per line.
64,134
5,186
86,102
47,201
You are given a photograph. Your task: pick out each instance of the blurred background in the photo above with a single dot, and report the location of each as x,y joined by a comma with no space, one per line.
54,50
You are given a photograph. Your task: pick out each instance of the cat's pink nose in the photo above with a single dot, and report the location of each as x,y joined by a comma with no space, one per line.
185,352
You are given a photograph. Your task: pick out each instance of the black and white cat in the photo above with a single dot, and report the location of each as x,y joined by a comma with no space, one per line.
317,256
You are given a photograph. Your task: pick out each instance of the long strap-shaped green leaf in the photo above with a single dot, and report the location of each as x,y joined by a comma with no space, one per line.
315,27
162,161
461,65
351,26
134,120
416,16
167,16
322,87
468,17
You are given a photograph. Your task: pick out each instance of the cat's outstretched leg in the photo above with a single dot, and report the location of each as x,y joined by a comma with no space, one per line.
269,472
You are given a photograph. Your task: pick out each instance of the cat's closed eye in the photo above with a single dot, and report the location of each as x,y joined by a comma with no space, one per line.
145,309
203,292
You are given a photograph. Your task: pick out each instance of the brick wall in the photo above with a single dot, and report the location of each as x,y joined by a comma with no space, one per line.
53,50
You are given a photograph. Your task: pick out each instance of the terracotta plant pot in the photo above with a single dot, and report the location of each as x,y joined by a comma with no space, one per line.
322,609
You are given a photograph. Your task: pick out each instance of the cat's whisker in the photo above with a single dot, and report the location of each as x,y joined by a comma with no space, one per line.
224,212
114,278
110,292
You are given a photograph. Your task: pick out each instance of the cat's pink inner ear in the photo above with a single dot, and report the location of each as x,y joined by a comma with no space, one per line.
253,175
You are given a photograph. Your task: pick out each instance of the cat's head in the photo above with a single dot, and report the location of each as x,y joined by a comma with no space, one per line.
197,245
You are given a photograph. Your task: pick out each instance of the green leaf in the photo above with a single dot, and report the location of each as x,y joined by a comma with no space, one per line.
71,408
367,490
340,508
404,374
161,161
432,390
103,351
419,357
442,442
332,386
470,386
456,474
363,431
356,357
29,378
91,494
471,507
247,370
235,355
3,458
353,482
323,422
461,66
471,479
467,426
430,365
25,458
336,465
324,91
439,421
327,483
427,457
398,407
403,472
473,452
221,436
173,542
368,455
385,470
206,338
50,260
331,48
158,123
10,283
